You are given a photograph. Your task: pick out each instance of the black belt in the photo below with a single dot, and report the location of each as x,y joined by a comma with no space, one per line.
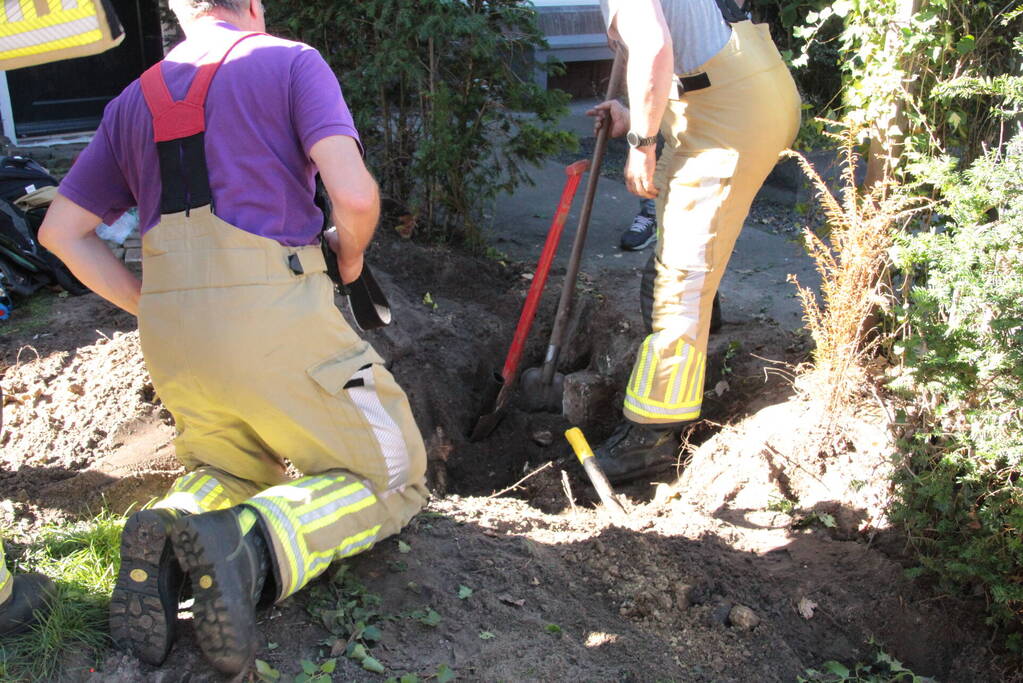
691,83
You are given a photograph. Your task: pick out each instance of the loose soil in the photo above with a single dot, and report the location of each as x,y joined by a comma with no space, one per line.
752,515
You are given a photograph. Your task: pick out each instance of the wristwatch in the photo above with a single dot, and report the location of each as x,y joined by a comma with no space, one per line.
636,141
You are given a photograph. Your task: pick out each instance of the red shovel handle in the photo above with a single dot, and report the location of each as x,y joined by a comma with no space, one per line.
575,173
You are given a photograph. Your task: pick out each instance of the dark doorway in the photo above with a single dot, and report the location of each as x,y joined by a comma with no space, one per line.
70,95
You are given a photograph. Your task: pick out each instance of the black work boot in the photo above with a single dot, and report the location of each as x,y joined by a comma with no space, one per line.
144,604
634,450
28,605
227,569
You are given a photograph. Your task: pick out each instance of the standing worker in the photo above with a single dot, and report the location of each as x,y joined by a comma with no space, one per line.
239,329
24,599
40,33
716,87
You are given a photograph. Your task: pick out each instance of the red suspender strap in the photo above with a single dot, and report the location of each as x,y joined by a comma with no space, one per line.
174,120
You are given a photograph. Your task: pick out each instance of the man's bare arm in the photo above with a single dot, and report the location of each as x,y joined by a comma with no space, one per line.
641,27
355,197
69,231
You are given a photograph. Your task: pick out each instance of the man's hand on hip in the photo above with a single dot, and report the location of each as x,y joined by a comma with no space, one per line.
639,171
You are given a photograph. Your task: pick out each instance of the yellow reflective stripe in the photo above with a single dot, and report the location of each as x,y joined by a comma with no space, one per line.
179,500
318,483
648,382
696,391
200,481
338,514
77,40
327,499
640,370
692,415
6,586
55,18
690,361
670,393
345,548
276,518
5,578
665,404
216,499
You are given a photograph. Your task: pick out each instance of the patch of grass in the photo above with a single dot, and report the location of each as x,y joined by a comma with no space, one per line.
31,314
83,559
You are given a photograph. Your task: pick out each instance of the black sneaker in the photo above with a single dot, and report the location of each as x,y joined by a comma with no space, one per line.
28,605
144,604
641,234
227,570
634,450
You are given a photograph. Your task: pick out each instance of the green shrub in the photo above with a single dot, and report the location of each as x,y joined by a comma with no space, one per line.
961,494
443,95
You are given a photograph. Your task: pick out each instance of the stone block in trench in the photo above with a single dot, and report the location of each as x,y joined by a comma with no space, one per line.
588,398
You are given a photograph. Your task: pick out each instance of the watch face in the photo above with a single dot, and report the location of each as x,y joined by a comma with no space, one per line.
632,139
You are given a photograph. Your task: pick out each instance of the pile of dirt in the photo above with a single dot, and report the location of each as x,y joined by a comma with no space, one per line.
727,571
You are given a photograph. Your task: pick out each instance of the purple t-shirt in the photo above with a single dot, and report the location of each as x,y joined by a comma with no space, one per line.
269,103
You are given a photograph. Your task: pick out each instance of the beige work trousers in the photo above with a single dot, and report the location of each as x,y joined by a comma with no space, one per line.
721,143
6,581
249,354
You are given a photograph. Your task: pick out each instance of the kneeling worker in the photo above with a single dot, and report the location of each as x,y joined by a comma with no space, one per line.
716,87
218,147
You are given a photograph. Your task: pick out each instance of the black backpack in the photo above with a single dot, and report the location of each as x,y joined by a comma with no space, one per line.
20,176
25,266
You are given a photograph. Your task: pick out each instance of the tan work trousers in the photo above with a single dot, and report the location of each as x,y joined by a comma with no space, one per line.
249,354
6,581
721,143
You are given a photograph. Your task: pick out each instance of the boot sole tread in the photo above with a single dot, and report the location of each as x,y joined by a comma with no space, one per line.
220,638
141,622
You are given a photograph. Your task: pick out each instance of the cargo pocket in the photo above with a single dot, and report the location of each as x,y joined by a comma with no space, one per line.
333,374
363,430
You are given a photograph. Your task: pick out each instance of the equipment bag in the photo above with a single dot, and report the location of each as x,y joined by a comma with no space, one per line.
26,265
20,176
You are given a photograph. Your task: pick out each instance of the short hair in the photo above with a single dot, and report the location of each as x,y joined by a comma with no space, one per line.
195,8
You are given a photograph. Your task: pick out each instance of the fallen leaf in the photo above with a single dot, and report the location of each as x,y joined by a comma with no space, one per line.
721,387
806,608
509,600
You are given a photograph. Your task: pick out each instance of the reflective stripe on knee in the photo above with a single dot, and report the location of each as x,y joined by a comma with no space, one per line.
196,492
299,514
666,387
6,582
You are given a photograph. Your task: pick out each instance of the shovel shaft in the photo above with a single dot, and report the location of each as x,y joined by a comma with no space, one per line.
496,393
543,268
568,288
584,453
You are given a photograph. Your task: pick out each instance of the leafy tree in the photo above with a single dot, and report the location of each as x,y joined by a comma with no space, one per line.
443,94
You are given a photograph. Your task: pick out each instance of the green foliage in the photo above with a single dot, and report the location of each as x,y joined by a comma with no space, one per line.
83,560
349,612
884,669
961,495
443,96
901,73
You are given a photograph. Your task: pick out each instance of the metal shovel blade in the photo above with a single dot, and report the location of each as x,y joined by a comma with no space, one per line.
491,411
540,396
